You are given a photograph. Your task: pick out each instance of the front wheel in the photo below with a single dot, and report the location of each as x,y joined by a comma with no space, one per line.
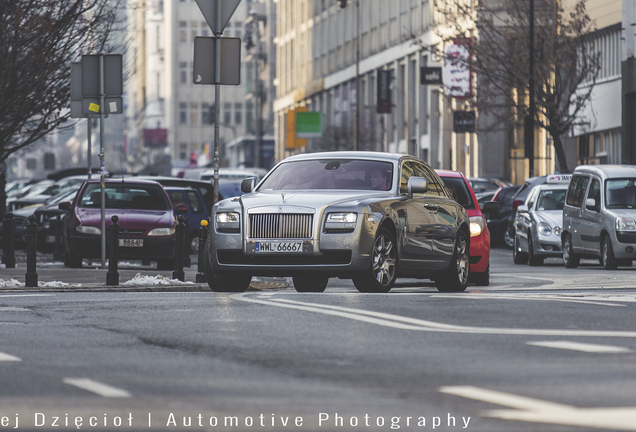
383,272
607,252
518,257
570,259
312,284
456,278
234,283
533,260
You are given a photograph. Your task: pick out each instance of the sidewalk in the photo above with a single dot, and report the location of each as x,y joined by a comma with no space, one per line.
53,276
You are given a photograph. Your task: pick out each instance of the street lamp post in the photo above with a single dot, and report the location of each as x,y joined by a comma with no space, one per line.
529,120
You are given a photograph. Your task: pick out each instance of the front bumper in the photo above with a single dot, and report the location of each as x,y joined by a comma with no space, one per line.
547,246
152,249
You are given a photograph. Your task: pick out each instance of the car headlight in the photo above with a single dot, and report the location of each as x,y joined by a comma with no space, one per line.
342,217
228,222
476,225
625,224
544,229
224,218
161,232
557,231
84,229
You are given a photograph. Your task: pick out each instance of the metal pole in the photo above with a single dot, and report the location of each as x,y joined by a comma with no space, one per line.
89,150
257,90
101,155
217,99
356,143
532,107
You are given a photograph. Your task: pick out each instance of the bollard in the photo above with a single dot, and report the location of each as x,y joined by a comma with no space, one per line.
178,253
57,254
187,262
112,277
31,277
8,238
203,233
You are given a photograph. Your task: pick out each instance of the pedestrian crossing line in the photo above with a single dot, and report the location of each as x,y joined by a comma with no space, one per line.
8,357
584,347
97,387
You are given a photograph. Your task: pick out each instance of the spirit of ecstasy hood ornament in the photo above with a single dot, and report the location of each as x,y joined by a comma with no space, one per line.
283,196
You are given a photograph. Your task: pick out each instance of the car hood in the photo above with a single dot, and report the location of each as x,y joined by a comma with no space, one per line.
139,220
309,199
552,218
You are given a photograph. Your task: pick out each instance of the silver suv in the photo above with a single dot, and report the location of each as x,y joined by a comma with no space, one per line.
599,216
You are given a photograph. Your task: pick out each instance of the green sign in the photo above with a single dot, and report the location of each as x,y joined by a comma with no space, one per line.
309,124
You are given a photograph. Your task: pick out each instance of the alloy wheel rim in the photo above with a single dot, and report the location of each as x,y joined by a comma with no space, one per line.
383,260
462,260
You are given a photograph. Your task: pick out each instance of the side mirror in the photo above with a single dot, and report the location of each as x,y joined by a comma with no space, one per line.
590,204
247,185
66,206
181,208
416,185
490,207
522,209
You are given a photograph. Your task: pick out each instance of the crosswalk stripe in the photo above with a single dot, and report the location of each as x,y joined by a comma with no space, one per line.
577,346
97,387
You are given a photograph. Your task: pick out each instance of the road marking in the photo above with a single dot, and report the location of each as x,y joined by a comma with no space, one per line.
96,387
8,357
576,346
540,411
405,323
596,302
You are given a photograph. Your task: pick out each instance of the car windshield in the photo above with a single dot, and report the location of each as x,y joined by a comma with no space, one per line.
620,193
330,174
125,196
551,200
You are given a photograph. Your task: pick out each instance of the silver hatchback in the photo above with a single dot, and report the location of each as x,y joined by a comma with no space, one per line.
599,216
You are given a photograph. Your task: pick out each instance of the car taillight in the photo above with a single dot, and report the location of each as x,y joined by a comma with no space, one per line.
516,203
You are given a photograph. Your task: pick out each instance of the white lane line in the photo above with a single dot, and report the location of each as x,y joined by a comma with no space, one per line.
541,411
596,302
576,346
8,357
96,387
405,323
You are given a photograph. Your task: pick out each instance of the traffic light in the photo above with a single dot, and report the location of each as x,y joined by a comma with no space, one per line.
343,3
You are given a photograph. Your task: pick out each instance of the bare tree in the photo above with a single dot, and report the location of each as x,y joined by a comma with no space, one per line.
40,40
565,58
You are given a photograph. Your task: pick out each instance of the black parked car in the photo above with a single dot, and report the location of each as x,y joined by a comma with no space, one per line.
498,221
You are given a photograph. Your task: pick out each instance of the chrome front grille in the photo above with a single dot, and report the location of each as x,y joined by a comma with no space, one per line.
280,226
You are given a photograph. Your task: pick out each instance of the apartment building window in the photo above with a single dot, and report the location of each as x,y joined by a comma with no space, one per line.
238,29
183,113
183,35
183,151
183,72
194,113
227,113
249,117
238,113
606,43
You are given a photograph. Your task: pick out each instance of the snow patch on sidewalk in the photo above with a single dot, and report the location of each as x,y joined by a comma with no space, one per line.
144,281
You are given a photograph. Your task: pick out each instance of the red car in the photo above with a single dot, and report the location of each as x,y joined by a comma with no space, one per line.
146,220
479,234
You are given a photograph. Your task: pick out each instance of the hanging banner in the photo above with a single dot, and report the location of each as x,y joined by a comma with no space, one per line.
457,75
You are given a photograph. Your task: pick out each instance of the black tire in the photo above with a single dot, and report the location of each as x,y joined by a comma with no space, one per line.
233,283
533,260
508,240
72,261
381,276
607,254
518,257
317,283
482,278
570,259
456,278
165,264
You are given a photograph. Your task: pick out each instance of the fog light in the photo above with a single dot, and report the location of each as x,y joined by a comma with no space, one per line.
629,249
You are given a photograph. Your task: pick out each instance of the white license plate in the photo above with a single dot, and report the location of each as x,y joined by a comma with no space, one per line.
278,247
131,242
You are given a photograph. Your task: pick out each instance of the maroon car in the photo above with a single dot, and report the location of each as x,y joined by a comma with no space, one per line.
146,222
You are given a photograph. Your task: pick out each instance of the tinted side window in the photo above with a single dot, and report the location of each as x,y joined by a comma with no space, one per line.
576,191
595,192
196,206
531,198
434,187
406,173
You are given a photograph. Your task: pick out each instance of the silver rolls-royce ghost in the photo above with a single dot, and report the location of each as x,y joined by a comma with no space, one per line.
366,216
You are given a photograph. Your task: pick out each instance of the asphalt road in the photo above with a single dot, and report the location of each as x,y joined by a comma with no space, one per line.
540,349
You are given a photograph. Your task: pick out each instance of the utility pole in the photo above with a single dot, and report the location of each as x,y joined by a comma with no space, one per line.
358,104
529,120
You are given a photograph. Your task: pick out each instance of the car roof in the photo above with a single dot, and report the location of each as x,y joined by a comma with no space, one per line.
555,186
386,157
126,180
448,173
607,171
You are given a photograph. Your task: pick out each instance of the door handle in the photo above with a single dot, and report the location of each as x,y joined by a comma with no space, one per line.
431,207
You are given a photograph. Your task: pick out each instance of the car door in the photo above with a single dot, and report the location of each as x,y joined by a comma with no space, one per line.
419,232
591,220
523,221
572,210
